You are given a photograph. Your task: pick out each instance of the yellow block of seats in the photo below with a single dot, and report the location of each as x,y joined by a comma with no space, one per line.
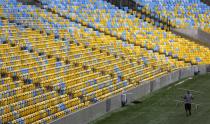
93,94
206,29
6,81
31,101
10,85
53,110
20,95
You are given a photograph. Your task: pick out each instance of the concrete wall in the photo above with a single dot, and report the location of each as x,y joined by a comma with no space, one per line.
208,68
143,89
188,32
202,69
204,36
85,115
195,35
174,76
95,111
186,72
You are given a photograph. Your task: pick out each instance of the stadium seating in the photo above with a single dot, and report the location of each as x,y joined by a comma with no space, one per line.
51,66
107,18
182,13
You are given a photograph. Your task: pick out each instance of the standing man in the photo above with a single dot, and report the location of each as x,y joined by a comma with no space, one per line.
187,101
196,70
123,98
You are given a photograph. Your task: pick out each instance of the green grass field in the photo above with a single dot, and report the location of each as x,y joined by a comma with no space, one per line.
160,107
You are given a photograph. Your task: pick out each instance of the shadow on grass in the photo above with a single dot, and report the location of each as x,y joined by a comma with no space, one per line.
137,102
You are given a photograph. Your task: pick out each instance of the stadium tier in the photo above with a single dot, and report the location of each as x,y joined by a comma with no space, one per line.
51,66
107,18
182,13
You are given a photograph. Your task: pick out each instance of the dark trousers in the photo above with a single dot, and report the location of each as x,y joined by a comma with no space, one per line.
123,103
188,107
196,73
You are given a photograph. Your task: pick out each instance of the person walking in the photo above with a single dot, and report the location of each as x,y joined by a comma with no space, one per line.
187,101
